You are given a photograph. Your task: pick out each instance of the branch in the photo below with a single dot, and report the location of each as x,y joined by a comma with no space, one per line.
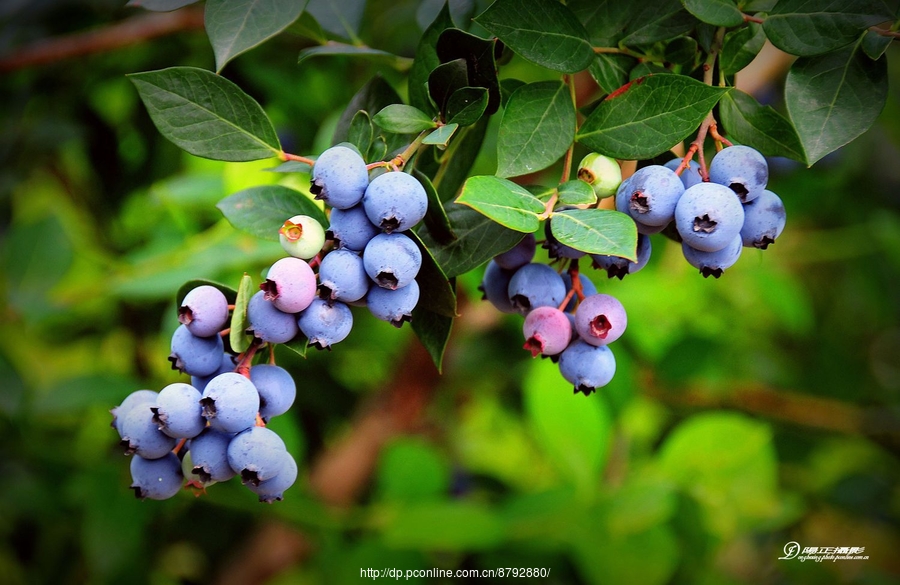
132,31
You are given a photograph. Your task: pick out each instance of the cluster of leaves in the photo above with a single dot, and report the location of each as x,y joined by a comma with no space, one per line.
661,69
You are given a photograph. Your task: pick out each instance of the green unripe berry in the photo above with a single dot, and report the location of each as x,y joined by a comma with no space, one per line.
600,172
302,237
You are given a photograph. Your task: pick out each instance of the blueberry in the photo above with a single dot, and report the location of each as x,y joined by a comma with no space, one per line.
339,177
713,263
742,169
269,324
195,356
395,201
587,366
547,331
600,319
495,287
132,400
157,479
273,489
651,195
228,365
708,216
290,285
209,456
230,403
302,236
689,176
325,323
535,285
276,387
764,219
587,288
204,311
393,306
342,277
141,434
351,228
557,250
519,255
601,172
618,266
254,454
392,260
177,411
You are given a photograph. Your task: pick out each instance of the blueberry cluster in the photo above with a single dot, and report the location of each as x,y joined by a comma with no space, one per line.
565,318
714,219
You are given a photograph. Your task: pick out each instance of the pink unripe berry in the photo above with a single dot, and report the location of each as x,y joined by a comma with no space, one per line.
600,319
547,331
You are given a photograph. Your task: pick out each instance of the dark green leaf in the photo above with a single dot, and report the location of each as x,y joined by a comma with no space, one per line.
596,231
262,211
648,116
875,44
481,61
466,105
507,88
433,331
478,239
646,68
426,60
761,127
805,28
403,119
537,128
833,98
503,201
682,51
235,26
741,46
611,71
717,12
371,98
605,20
190,285
159,5
361,131
444,80
299,345
658,21
335,48
436,218
436,293
441,137
306,26
206,114
339,17
238,337
576,193
542,31
456,167
758,5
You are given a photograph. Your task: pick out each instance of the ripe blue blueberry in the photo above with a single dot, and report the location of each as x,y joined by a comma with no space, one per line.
764,220
495,287
177,411
228,365
342,277
230,403
587,367
339,177
325,323
689,176
290,285
351,228
742,169
708,216
519,255
393,306
713,263
547,331
535,285
141,434
195,356
254,454
273,489
269,324
395,201
209,456
651,195
276,387
157,479
392,260
600,319
618,266
137,397
204,311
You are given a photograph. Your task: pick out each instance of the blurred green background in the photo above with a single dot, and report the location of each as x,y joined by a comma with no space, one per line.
747,412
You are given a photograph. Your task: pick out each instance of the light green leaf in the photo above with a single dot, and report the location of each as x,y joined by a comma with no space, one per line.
262,211
463,526
576,192
238,337
441,136
376,55
596,231
235,26
403,119
503,201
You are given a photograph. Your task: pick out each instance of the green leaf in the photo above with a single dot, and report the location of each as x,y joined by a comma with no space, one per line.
682,51
159,5
436,293
299,345
759,126
875,44
443,82
335,48
441,137
660,20
206,115
478,239
361,131
238,337
411,470
463,526
596,231
436,217
537,128
261,211
576,192
542,31
184,289
833,98
717,12
605,20
611,71
805,28
403,119
426,60
503,201
480,56
372,97
339,17
291,166
433,331
467,105
741,47
235,26
648,116
574,431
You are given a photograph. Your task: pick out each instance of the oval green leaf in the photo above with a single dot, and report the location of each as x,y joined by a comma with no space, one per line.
335,48
261,211
741,47
717,12
466,105
503,201
576,192
235,26
761,127
403,119
238,337
596,231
